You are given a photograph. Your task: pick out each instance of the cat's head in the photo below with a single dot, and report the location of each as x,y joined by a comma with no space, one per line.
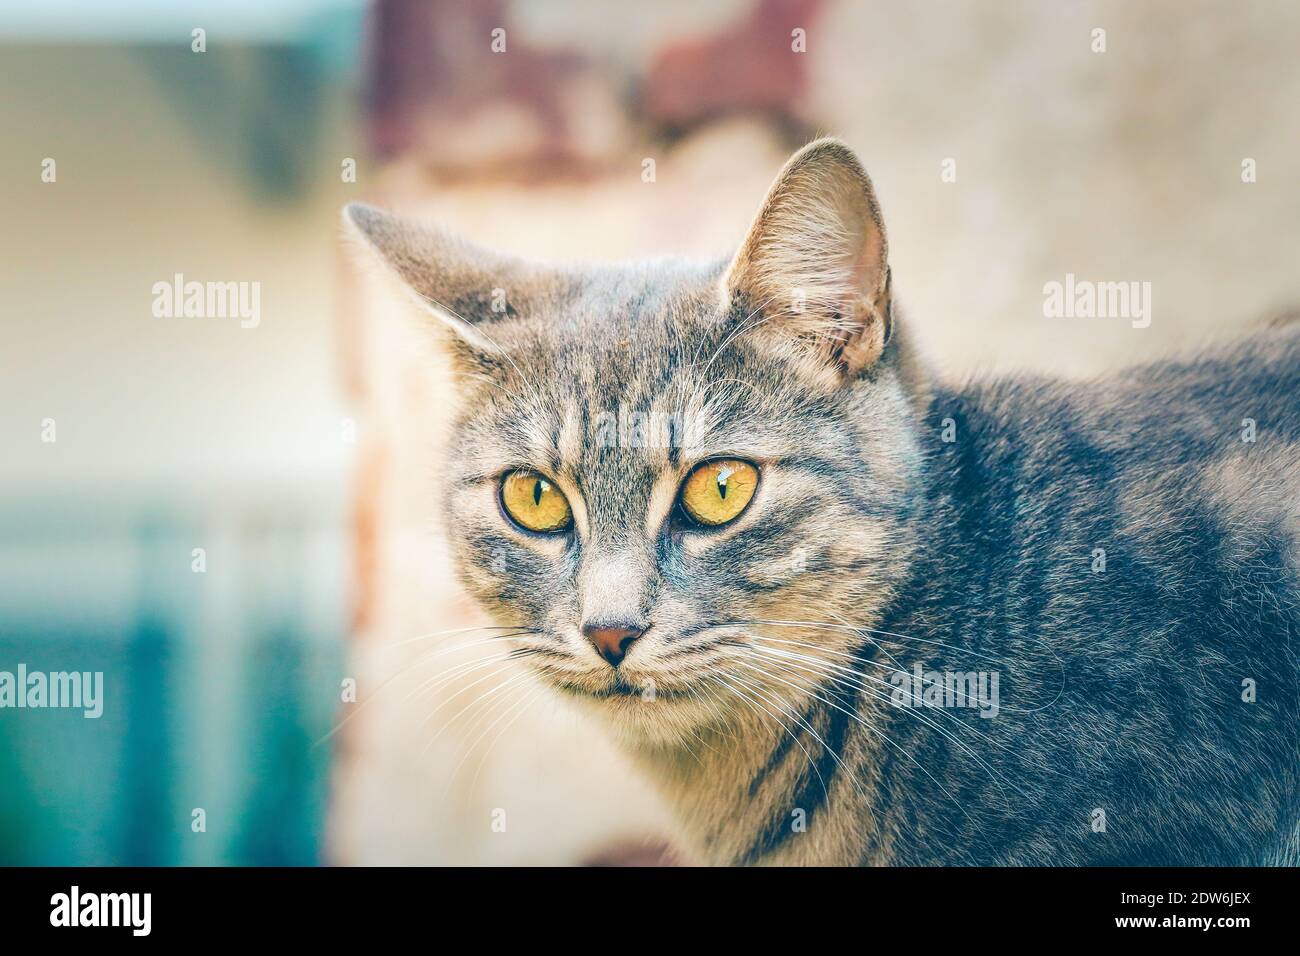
677,481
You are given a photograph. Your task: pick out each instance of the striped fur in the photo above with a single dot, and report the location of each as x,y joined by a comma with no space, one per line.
875,543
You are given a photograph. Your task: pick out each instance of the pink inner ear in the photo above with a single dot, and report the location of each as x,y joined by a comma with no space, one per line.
862,269
867,264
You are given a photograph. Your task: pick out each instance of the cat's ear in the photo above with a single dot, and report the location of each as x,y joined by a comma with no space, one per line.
465,287
814,263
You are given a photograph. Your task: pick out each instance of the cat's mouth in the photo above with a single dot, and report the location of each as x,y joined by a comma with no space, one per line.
619,689
639,681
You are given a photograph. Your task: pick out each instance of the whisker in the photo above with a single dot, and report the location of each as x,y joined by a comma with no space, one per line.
884,698
527,703
818,737
507,683
761,709
455,630
849,670
402,672
882,734
499,665
863,631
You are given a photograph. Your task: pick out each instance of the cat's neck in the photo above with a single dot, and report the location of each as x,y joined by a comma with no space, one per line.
747,792
706,782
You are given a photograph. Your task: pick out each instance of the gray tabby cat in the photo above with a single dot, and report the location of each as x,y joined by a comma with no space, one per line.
845,613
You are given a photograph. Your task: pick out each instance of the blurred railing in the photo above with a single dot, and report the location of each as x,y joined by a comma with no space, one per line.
221,672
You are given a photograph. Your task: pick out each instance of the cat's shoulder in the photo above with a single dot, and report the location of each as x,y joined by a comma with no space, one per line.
1211,433
1194,390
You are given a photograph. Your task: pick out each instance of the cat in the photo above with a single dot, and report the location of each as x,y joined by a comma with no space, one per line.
843,612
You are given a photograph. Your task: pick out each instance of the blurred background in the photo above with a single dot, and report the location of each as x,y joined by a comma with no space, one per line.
300,457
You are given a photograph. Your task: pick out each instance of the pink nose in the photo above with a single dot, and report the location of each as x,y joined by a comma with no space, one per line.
612,640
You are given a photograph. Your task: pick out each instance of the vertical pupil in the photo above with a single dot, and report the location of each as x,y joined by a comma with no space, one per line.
537,492
724,473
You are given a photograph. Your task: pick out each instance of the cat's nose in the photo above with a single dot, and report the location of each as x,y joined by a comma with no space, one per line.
612,640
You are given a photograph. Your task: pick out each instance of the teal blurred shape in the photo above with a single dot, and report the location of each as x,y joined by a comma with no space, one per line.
217,686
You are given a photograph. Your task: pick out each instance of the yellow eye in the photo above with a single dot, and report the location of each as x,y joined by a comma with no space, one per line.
717,491
535,502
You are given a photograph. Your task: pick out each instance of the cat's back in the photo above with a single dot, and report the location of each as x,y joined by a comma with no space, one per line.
1220,426
1139,534
1193,400
1191,462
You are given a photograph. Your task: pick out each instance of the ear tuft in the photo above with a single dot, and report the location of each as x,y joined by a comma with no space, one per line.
815,264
